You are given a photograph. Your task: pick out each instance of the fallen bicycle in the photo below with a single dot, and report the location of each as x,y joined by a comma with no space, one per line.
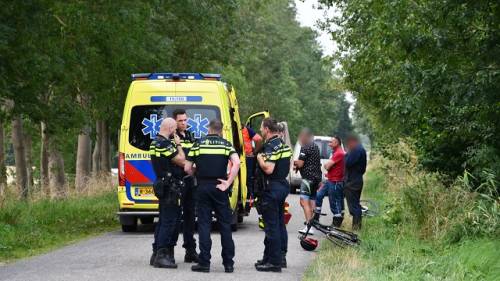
337,236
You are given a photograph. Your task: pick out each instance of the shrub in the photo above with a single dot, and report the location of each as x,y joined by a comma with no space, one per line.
439,210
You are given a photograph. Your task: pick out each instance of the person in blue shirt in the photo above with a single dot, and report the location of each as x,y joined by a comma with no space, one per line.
355,165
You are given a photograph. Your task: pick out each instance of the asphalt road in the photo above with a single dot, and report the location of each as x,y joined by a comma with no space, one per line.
125,256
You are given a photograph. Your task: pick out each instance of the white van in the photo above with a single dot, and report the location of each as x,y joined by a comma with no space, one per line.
325,153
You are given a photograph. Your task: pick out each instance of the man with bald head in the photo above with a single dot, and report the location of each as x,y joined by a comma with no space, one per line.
166,153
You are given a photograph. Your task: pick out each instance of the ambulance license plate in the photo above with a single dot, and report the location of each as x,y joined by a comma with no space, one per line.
146,191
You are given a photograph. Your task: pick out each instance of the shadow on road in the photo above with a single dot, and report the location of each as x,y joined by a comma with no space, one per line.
150,228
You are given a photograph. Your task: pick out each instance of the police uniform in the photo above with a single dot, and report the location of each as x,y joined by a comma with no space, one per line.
210,155
188,199
273,201
162,151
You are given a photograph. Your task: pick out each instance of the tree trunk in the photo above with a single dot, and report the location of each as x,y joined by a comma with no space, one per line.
96,155
105,151
83,157
57,180
29,159
44,160
3,174
18,144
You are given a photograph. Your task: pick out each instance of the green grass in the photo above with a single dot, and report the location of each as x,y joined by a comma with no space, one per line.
30,228
396,252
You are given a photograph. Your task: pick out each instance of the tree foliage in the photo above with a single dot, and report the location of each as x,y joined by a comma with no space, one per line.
428,70
68,63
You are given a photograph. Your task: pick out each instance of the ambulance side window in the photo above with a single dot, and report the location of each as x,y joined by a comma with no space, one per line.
145,121
145,124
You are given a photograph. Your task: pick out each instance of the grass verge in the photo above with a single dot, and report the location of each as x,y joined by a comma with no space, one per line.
397,252
30,228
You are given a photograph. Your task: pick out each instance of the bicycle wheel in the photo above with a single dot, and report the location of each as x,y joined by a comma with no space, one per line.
342,240
345,237
369,208
345,233
337,242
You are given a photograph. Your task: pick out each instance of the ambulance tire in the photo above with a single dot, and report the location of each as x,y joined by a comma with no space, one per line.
129,228
129,223
147,220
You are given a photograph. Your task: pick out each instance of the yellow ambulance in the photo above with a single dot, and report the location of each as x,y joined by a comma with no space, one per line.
154,96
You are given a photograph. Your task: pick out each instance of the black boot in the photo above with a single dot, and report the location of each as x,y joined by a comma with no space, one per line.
191,256
260,262
228,268
337,221
267,267
283,260
200,268
152,259
171,255
165,258
356,223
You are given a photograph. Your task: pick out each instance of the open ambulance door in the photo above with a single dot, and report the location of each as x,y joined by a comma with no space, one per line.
255,120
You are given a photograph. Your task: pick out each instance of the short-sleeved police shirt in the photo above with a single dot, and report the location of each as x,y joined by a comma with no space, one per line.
276,151
211,155
162,150
187,141
309,153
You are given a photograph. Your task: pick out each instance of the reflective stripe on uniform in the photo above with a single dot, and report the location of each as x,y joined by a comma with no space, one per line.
186,144
153,150
211,150
283,152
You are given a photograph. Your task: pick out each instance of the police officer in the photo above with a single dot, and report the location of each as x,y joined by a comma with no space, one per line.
165,155
188,200
208,160
274,163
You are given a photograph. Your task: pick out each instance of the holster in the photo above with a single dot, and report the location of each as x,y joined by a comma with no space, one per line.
161,185
168,188
174,191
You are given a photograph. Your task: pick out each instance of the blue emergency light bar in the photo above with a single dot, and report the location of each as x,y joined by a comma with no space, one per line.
176,76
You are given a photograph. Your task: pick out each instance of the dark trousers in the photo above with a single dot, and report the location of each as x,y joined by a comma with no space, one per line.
334,190
250,162
212,199
273,209
352,193
188,214
167,228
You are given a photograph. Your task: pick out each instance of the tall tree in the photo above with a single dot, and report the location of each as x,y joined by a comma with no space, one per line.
83,159
44,159
3,171
57,179
427,70
28,147
19,153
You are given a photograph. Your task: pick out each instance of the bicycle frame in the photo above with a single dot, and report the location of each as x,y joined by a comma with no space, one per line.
335,235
